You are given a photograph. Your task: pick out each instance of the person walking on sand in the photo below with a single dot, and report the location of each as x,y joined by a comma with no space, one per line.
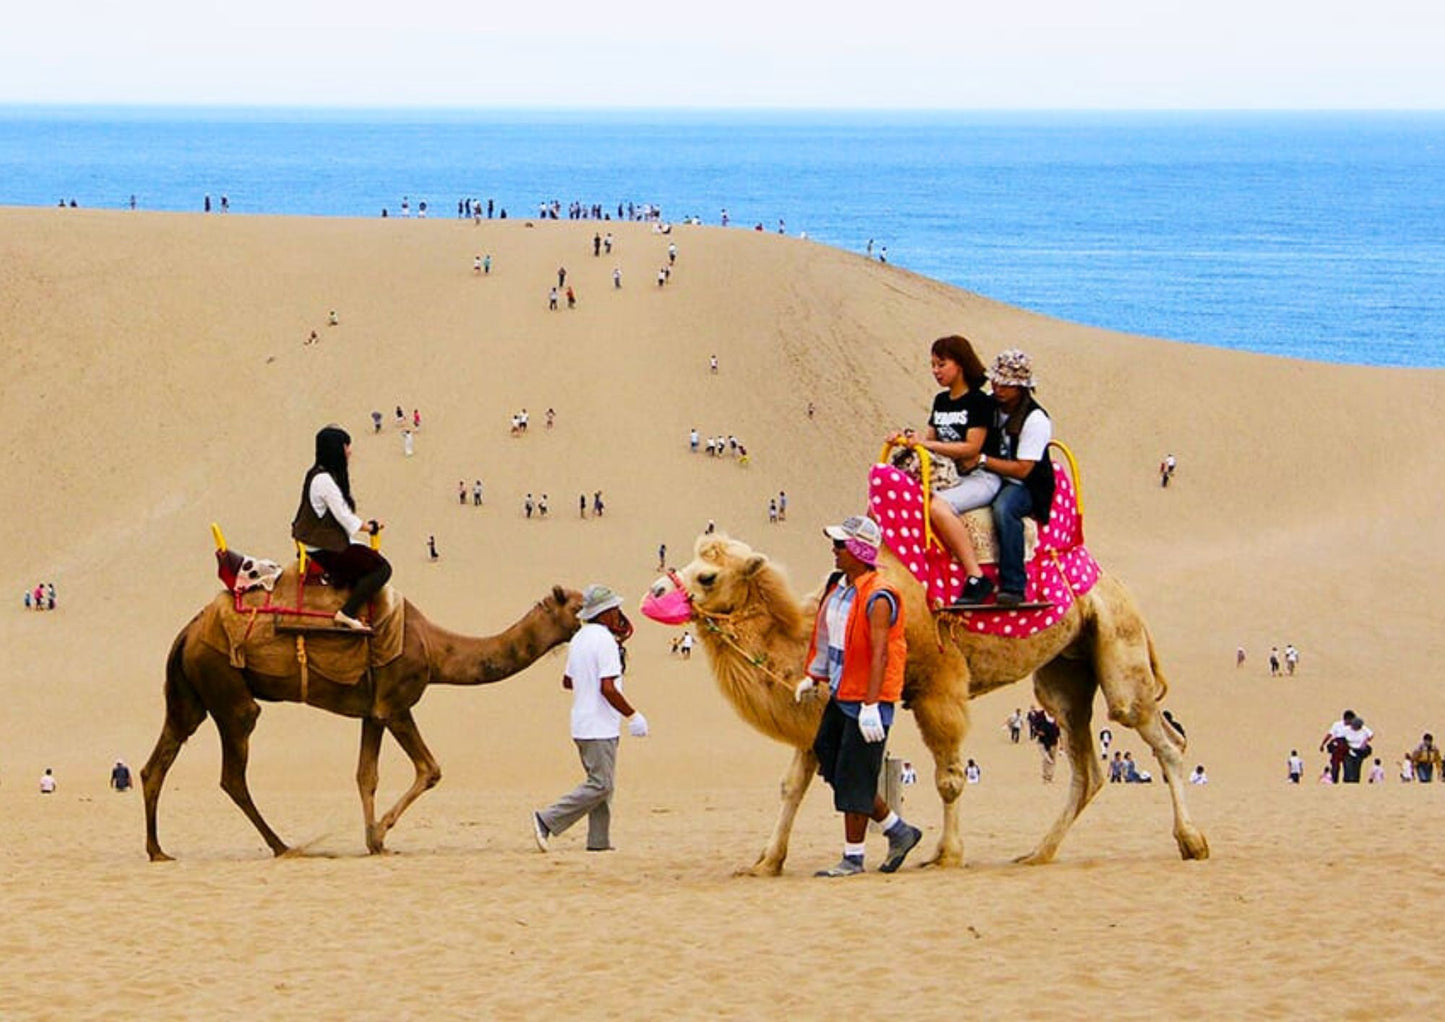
686,646
47,782
477,265
594,677
582,506
120,780
431,548
1295,767
782,502
1274,661
487,264
1015,725
1238,657
1426,758
552,299
597,506
616,278
542,506
527,506
477,493
1291,659
662,557
407,444
376,422
858,651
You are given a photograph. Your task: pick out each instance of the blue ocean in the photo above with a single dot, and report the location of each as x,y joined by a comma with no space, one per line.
1317,235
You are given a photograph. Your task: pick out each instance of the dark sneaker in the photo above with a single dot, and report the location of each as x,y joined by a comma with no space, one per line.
975,590
847,867
540,833
899,845
1008,599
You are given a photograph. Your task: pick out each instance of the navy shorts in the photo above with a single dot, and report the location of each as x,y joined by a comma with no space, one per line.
848,763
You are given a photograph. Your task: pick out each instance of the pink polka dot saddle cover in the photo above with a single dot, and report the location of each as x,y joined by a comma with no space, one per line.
1060,570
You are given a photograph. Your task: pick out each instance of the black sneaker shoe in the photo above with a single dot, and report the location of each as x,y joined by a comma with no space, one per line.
1008,599
976,590
899,846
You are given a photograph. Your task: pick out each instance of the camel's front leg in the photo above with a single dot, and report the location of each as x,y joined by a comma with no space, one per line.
795,786
366,778
403,728
1161,738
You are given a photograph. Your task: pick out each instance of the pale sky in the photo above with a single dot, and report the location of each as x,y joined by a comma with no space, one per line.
1005,54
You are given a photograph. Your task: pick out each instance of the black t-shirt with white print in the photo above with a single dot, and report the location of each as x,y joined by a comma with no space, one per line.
952,418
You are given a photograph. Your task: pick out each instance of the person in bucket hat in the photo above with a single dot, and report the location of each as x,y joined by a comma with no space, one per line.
1024,432
594,677
859,616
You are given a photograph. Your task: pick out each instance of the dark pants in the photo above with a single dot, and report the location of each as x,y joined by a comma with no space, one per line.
1353,761
1424,772
1012,505
847,762
358,568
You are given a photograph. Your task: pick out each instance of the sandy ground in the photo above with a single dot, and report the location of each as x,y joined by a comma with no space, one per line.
156,380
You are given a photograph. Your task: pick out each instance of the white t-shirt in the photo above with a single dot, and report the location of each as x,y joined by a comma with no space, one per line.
47,784
1357,739
592,656
1198,777
1033,440
326,496
1296,765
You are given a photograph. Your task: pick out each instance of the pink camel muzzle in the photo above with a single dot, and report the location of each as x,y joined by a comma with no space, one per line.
668,606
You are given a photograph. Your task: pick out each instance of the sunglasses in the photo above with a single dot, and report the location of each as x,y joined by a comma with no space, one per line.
840,544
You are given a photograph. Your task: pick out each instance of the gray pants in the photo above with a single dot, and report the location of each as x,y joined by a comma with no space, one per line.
592,798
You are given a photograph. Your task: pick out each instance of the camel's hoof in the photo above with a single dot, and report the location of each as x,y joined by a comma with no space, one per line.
942,859
375,840
1035,858
760,869
159,856
1193,847
287,853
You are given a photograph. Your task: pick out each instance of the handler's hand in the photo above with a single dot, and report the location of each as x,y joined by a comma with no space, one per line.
637,726
871,723
802,689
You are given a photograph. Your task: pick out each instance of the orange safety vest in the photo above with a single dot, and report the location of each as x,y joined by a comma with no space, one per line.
858,644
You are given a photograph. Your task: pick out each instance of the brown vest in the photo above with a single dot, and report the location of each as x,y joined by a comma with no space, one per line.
321,531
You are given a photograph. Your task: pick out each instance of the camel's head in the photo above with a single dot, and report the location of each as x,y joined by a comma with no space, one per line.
561,606
717,582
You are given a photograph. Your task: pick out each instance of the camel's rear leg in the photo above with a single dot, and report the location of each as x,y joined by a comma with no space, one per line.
235,728
1128,673
184,713
943,722
403,728
366,778
1066,689
795,786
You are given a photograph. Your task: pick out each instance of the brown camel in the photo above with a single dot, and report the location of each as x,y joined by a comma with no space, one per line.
201,680
756,635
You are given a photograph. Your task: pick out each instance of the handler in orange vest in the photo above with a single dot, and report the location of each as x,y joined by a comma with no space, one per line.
858,651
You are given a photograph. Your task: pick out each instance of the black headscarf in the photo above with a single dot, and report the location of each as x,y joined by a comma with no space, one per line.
331,458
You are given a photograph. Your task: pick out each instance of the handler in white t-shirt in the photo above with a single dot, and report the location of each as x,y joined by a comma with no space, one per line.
594,676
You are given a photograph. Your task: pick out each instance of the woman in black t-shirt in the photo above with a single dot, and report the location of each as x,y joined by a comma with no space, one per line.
960,427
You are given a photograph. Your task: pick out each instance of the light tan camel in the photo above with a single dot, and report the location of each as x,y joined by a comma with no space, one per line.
756,635
200,680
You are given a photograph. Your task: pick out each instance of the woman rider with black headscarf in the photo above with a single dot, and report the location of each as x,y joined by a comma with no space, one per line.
327,523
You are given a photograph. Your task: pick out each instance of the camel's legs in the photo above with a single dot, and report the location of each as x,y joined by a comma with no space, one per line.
184,713
1066,689
235,728
795,786
403,728
943,722
1126,674
366,778
236,746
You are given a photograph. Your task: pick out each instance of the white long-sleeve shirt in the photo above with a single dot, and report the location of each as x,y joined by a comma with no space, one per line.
326,496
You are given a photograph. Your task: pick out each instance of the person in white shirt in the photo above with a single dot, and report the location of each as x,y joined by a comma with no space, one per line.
971,773
1296,766
47,782
327,524
909,775
1024,432
594,677
1377,772
1199,776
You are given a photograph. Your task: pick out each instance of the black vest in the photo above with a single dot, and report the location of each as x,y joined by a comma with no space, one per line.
321,531
1040,480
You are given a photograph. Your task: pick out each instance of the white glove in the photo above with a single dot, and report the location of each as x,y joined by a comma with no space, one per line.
871,723
637,726
802,688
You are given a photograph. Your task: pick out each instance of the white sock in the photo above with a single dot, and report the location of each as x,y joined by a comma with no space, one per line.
851,850
886,824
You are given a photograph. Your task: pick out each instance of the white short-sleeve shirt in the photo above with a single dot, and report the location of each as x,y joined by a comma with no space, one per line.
592,656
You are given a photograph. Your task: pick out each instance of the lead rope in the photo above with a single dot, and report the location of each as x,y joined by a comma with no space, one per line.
709,621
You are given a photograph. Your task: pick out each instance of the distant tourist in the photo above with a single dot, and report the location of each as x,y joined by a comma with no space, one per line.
47,779
1199,776
1296,767
431,548
120,776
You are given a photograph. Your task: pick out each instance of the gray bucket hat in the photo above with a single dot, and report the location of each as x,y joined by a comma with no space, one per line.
596,599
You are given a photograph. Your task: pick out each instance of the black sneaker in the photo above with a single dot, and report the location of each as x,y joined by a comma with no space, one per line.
1008,599
976,590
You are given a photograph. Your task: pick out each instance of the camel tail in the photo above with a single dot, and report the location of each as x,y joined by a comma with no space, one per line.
184,708
1163,683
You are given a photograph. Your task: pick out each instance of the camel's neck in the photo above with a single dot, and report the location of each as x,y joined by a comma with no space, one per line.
464,660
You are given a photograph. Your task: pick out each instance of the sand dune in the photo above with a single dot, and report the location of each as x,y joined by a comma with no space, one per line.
156,379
